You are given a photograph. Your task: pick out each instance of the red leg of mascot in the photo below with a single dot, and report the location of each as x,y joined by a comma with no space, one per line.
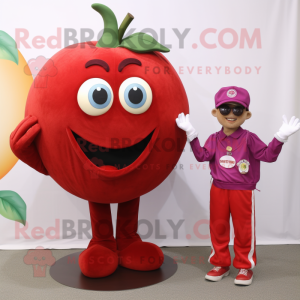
100,259
133,253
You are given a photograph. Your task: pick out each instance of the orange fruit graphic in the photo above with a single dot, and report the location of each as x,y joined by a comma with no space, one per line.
14,88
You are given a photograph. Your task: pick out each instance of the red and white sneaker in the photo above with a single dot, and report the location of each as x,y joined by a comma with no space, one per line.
217,273
244,277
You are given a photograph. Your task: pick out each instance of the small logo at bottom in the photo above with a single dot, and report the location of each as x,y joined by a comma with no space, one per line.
39,258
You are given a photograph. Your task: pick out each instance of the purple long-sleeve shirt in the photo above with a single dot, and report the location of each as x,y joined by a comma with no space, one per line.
245,145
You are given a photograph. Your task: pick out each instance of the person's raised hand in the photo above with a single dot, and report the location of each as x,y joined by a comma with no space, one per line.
287,128
183,122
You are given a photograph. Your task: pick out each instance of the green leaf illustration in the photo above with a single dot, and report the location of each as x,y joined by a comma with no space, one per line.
8,48
12,206
142,42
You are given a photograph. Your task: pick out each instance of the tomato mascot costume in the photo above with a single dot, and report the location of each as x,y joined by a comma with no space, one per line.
103,129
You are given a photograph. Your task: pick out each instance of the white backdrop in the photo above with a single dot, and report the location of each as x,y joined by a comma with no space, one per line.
272,58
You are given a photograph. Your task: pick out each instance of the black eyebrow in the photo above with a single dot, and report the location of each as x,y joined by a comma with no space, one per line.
98,62
128,61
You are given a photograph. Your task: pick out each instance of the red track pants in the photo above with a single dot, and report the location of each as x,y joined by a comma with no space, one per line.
240,203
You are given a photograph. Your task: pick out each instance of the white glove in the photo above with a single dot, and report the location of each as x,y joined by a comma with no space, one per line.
287,128
183,122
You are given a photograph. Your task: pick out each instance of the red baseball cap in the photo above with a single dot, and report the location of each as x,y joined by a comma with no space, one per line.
232,94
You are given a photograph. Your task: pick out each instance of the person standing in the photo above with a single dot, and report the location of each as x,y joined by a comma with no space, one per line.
234,156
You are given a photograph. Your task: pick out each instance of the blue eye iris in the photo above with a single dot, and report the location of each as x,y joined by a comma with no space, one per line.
135,95
99,96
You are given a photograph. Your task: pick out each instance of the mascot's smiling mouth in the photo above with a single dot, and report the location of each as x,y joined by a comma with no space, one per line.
118,158
109,163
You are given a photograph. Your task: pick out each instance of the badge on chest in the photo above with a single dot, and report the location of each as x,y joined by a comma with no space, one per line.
243,166
227,161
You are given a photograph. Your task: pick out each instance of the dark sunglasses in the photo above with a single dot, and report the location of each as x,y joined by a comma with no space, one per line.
225,110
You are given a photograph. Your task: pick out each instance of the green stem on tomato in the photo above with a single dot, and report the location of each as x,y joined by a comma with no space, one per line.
127,20
109,39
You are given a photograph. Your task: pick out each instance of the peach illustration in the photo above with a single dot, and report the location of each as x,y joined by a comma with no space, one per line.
14,88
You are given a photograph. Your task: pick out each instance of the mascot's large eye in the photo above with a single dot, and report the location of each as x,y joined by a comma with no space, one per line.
135,95
95,97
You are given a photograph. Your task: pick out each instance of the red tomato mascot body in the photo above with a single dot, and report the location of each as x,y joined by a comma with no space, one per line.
103,128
